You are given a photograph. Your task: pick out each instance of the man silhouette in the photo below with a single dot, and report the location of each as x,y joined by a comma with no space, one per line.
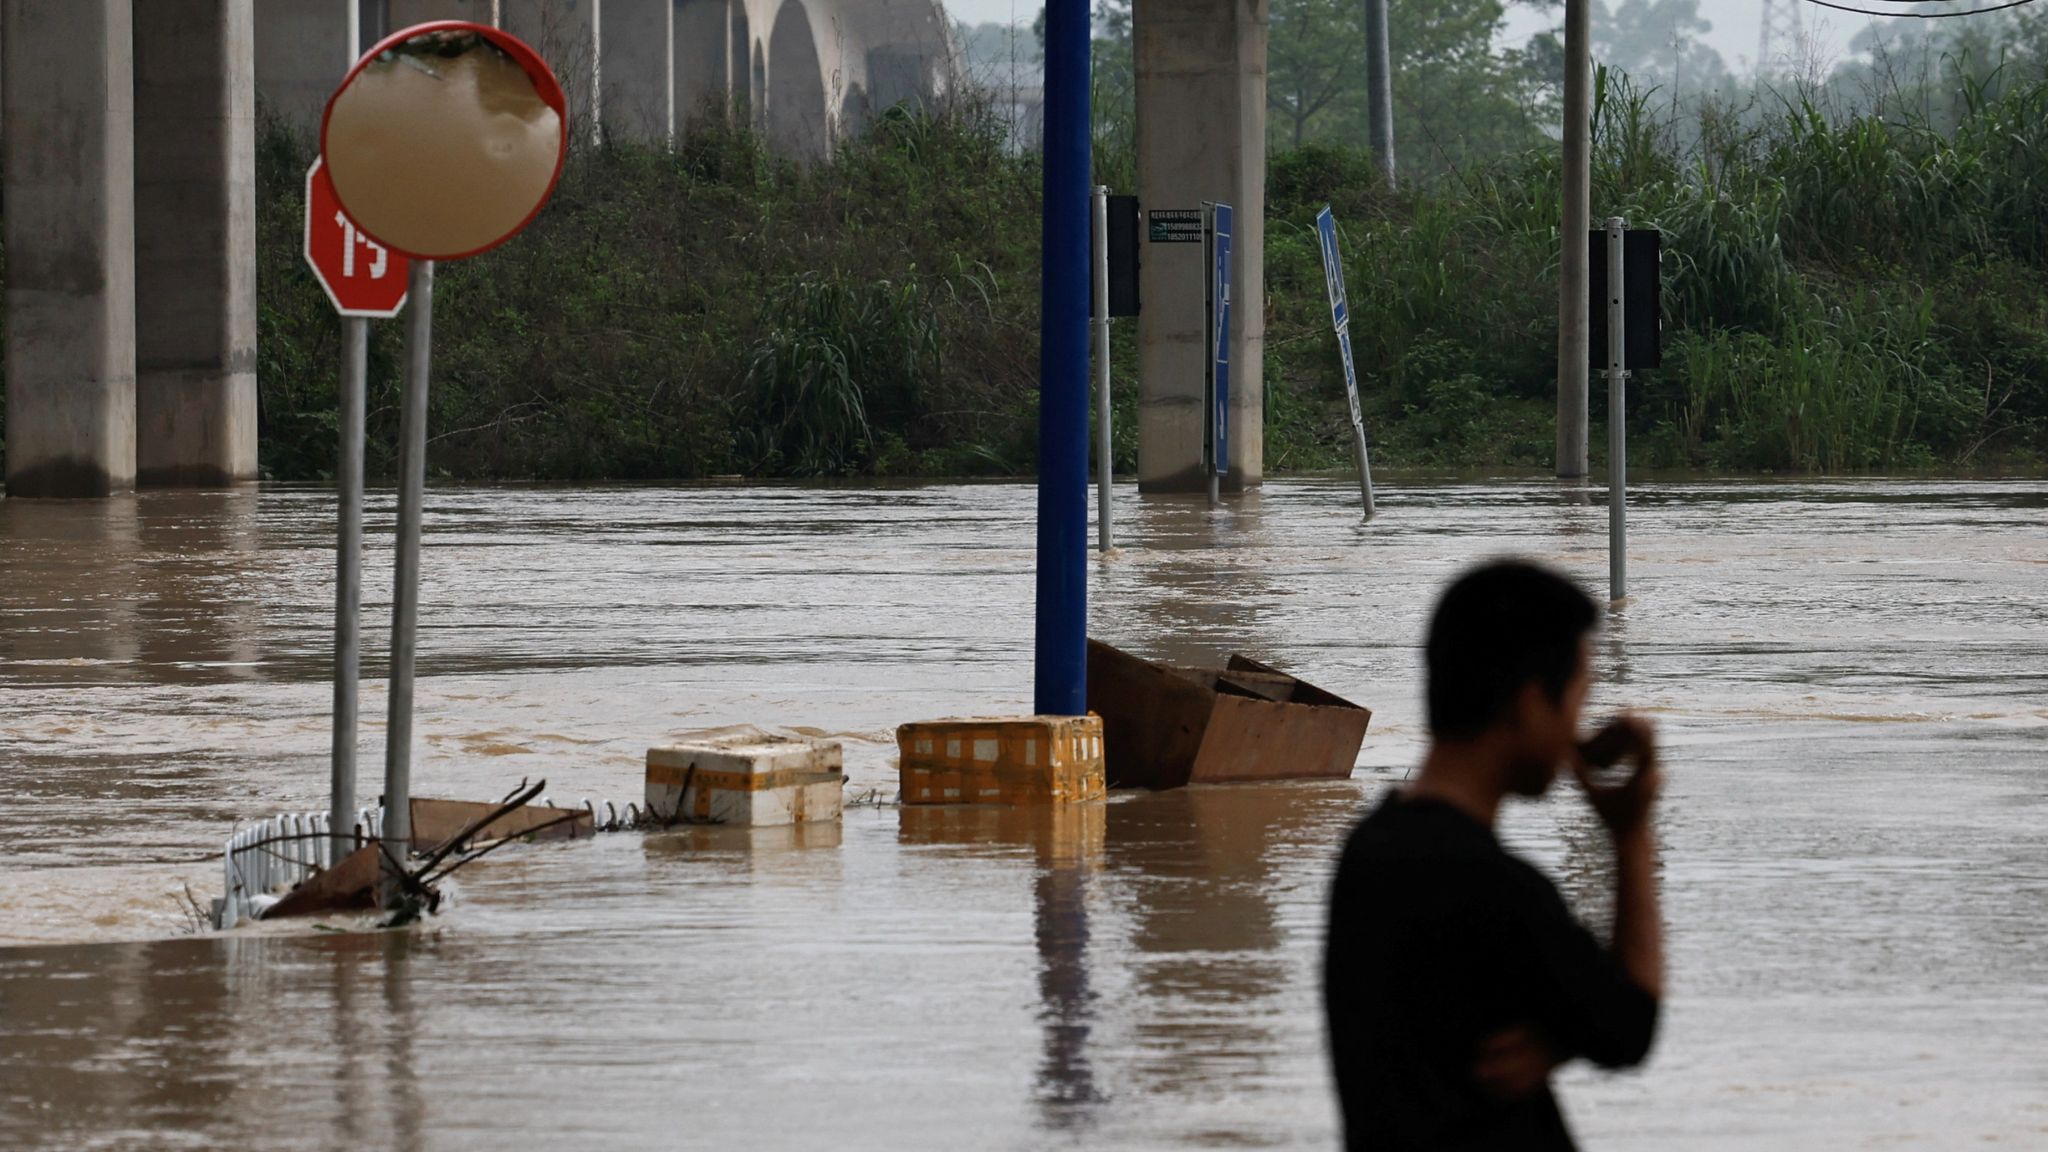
1456,979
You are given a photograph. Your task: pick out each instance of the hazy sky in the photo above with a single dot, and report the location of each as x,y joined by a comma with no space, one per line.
1736,24
1734,35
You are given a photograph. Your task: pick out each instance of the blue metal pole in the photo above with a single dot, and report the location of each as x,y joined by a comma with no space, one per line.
1062,667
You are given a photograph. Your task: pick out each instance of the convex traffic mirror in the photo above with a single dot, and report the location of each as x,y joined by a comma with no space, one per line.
445,139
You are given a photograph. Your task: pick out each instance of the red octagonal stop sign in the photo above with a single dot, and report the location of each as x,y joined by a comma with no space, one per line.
361,276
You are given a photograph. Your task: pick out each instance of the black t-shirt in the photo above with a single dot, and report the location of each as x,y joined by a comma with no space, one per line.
1440,938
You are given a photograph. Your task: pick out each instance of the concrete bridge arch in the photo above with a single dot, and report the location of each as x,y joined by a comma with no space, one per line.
131,344
801,111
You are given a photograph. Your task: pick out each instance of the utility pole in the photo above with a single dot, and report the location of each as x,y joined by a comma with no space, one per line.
1572,399
1379,87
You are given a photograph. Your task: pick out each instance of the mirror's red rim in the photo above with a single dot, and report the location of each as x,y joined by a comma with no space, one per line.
545,86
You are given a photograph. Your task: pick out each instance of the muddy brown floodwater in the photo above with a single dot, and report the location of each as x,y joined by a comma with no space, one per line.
1852,677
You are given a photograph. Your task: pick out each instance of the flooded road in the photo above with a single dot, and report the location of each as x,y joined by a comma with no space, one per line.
1852,676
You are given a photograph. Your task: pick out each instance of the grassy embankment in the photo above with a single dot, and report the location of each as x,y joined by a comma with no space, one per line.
1840,296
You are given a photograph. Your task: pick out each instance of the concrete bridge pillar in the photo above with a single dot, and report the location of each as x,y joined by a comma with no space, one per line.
799,111
569,36
702,59
639,39
757,86
406,13
746,74
195,242
69,89
1201,136
301,54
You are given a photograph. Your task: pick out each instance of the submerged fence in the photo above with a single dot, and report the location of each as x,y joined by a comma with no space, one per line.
276,855
264,860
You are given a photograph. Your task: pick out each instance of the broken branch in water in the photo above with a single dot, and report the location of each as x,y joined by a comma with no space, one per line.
416,897
678,816
490,846
199,921
420,895
410,880
514,800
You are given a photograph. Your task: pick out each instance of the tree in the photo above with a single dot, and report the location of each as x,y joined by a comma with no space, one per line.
1115,96
1930,70
1657,42
1456,100
1314,58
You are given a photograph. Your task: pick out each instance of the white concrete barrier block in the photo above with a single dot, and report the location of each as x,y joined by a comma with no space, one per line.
746,777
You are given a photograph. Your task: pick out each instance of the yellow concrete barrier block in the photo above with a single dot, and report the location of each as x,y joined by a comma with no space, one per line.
748,778
1001,760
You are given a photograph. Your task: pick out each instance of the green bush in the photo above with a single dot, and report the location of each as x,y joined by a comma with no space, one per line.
702,311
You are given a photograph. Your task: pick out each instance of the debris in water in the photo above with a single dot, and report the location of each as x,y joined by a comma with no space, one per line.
447,833
1165,727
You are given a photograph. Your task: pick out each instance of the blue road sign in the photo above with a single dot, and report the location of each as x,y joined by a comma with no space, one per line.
1340,306
1333,269
1340,319
1219,312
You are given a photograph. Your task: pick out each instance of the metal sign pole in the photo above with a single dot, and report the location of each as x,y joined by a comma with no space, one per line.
348,583
412,479
1217,286
348,558
1617,413
1105,536
1358,432
407,227
1340,319
1209,350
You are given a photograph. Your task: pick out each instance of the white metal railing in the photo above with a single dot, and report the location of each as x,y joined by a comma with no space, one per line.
263,861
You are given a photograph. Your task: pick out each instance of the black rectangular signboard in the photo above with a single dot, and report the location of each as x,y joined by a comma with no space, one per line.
1123,255
1174,226
1642,299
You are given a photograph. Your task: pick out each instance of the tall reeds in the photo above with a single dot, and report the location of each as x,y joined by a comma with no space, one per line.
1820,278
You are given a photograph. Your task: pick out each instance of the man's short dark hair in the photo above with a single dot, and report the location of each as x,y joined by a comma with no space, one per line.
1497,628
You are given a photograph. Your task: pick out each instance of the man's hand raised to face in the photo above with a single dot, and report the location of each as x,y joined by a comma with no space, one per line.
1624,807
